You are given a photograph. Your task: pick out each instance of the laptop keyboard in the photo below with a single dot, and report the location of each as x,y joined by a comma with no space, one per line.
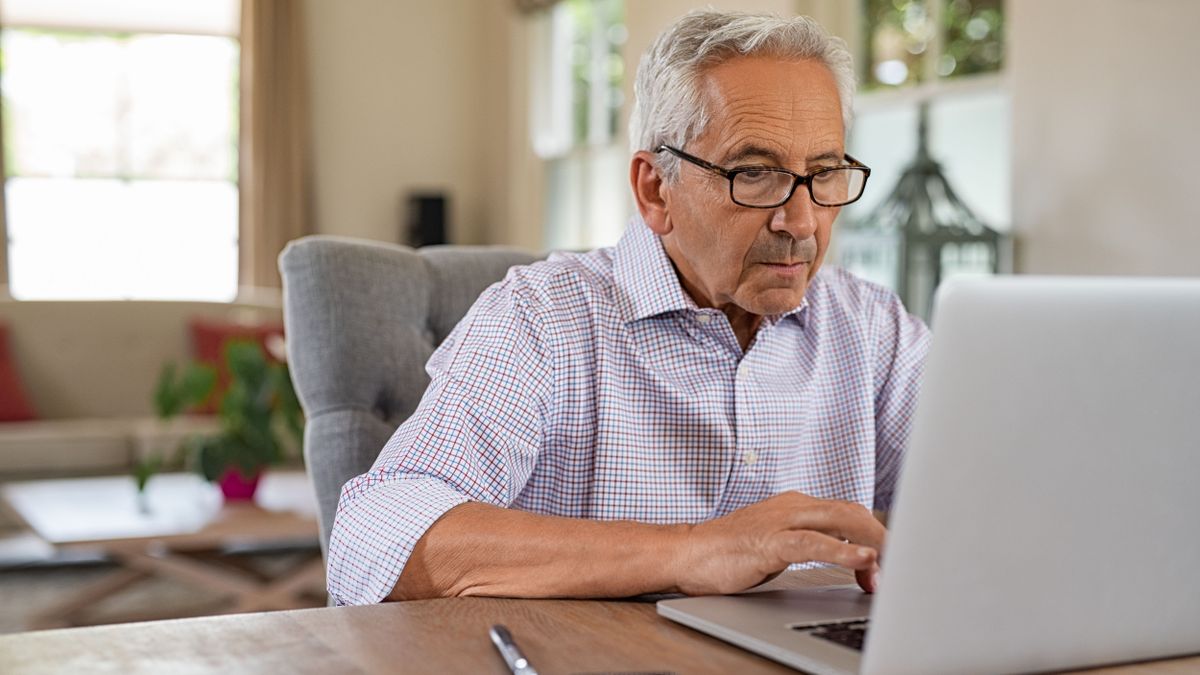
846,633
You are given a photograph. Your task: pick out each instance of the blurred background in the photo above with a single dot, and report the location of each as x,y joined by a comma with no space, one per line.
159,154
1067,125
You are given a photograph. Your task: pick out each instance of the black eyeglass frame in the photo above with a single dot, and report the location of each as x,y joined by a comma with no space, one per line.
798,179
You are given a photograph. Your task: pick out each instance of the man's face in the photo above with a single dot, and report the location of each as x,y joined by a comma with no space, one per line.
764,111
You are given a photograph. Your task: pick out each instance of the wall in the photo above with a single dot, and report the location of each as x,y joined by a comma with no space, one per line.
1106,151
399,104
514,185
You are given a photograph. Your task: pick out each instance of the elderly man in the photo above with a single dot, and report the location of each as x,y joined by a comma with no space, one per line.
693,410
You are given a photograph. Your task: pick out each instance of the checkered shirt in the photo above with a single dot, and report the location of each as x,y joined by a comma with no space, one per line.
592,386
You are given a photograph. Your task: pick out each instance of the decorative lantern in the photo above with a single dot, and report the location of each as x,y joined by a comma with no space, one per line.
921,234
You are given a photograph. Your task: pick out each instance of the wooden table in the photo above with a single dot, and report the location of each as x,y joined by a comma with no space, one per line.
431,636
174,531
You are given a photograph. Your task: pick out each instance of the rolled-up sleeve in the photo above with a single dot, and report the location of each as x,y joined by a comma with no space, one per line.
901,345
474,437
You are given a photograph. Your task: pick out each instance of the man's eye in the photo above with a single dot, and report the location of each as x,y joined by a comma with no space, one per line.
756,176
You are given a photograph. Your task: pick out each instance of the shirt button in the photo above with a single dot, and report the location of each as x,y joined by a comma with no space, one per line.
743,373
703,318
750,457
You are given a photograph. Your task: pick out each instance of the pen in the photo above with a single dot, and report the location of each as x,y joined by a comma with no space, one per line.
516,661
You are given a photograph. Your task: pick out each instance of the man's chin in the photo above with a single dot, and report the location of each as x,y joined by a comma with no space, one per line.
774,301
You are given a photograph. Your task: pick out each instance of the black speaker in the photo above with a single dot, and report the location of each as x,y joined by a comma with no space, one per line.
427,215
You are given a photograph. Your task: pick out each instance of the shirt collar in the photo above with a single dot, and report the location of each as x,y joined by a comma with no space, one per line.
800,313
645,278
648,284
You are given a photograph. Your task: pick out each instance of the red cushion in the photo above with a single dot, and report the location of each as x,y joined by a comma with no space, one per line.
14,405
208,346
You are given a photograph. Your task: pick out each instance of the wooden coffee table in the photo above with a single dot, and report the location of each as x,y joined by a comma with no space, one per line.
178,531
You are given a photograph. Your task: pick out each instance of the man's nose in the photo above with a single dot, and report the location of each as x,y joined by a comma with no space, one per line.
796,217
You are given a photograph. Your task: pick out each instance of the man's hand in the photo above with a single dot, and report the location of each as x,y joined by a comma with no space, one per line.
754,543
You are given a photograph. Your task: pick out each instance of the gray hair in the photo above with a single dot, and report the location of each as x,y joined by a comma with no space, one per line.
668,108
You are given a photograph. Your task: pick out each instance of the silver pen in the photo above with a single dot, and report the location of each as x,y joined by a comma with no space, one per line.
516,661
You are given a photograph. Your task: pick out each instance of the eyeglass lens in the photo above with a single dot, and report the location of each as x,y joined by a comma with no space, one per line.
769,188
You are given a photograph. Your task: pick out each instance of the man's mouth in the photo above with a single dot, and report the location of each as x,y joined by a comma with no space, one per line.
786,268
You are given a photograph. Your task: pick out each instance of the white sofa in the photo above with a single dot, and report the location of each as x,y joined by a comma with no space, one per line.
89,370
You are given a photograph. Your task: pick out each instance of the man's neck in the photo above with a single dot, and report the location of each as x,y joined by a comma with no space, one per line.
745,325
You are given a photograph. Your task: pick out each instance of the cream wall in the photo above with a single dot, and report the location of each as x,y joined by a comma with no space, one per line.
400,103
1106,148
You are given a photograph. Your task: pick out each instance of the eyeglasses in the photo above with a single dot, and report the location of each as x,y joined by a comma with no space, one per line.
766,187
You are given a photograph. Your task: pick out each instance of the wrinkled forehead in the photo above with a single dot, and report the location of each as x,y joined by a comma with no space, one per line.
785,108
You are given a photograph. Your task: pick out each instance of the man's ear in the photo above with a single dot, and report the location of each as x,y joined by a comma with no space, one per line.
649,193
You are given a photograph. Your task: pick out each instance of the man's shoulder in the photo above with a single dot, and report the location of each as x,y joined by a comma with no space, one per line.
548,305
563,284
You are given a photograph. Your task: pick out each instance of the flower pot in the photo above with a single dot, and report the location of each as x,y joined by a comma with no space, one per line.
236,486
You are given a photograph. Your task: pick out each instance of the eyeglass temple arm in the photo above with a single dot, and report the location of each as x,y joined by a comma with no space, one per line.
694,160
855,162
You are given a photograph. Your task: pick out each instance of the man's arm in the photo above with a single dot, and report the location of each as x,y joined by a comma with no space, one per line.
901,344
479,549
475,437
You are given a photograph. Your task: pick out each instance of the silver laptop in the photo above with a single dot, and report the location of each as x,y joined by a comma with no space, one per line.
1048,514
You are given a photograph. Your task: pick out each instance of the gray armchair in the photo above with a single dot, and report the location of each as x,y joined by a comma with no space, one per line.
362,318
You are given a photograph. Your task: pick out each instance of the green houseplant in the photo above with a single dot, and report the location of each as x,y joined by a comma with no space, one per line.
259,414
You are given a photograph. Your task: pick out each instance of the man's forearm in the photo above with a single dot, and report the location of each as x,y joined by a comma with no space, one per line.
479,549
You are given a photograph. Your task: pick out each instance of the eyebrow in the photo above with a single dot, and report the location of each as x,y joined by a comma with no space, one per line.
751,150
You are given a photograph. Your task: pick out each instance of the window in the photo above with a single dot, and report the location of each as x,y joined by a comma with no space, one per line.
913,41
948,53
578,75
120,157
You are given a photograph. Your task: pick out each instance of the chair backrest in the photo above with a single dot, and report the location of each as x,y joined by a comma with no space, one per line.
362,318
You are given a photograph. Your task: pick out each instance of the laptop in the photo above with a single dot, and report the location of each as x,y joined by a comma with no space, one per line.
1047,516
